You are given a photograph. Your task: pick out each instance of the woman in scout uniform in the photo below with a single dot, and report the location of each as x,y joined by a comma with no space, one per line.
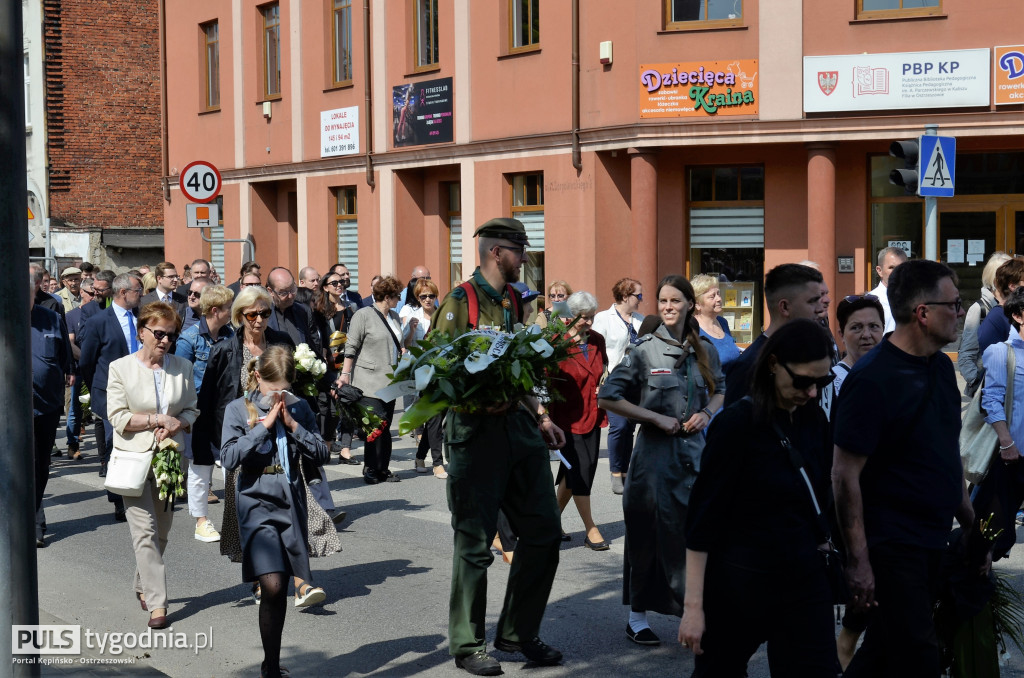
499,460
671,382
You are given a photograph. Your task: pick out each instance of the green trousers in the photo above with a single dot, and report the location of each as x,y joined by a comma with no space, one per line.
499,462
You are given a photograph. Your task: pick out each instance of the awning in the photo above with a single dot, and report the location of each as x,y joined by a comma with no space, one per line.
133,238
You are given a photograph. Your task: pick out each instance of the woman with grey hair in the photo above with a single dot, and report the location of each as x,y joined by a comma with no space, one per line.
575,411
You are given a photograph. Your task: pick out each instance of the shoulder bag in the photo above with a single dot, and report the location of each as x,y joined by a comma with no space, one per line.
978,440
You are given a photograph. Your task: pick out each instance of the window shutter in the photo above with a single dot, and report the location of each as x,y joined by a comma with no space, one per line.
727,228
534,223
348,249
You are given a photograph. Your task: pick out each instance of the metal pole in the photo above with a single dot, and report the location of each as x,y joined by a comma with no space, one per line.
931,209
18,584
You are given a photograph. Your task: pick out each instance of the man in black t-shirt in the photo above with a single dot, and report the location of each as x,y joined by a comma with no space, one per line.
897,476
792,291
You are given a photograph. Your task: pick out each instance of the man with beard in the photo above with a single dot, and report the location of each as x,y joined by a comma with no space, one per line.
499,460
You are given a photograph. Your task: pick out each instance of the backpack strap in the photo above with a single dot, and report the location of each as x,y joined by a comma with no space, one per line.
473,304
517,301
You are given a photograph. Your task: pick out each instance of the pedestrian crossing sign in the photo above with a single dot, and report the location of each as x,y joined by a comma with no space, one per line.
938,167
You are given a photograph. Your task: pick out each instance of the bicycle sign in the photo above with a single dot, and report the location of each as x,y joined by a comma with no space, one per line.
200,181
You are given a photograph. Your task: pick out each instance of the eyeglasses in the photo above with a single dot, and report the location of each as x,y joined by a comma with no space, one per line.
639,295
518,250
427,297
802,382
194,293
558,295
857,297
335,283
160,335
136,290
957,304
285,293
252,315
99,290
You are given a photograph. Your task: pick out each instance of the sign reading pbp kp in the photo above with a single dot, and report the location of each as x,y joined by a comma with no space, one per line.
200,181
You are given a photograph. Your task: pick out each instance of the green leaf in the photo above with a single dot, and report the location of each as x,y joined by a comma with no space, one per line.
516,369
446,388
422,411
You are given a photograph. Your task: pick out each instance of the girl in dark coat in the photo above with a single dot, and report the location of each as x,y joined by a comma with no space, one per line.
266,433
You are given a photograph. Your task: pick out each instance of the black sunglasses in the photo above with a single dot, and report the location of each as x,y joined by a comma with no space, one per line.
425,297
802,382
252,315
850,298
334,283
160,335
194,293
957,304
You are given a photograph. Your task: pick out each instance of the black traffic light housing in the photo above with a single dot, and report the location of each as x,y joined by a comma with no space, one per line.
910,151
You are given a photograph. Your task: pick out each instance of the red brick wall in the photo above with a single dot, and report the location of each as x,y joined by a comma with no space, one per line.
103,112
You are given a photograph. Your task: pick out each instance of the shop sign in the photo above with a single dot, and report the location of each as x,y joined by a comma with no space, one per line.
1009,71
874,82
422,113
707,89
339,132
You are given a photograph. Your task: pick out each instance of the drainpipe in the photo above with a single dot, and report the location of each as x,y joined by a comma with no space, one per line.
577,160
369,101
164,160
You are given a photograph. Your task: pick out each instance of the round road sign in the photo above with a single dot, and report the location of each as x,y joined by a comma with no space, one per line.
200,181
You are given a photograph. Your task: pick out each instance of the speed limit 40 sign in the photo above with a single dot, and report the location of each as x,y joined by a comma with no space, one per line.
200,181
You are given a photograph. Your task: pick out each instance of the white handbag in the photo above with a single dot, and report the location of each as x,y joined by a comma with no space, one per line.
978,440
127,472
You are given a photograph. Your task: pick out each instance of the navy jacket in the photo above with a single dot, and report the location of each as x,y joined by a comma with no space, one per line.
51,360
102,343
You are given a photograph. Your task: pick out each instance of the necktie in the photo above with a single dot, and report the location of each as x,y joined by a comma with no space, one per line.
282,449
133,342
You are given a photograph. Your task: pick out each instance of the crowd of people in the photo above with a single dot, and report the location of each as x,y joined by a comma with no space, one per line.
744,472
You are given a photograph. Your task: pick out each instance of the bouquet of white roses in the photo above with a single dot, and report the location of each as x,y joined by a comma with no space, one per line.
308,370
476,372
170,479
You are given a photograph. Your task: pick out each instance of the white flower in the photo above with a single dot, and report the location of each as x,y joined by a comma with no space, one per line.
319,368
533,330
303,351
85,398
306,362
423,376
181,478
543,347
163,478
163,495
404,363
477,362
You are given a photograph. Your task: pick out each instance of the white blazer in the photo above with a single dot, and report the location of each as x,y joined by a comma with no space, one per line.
131,390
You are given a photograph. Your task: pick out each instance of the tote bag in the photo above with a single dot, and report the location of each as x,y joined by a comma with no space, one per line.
978,440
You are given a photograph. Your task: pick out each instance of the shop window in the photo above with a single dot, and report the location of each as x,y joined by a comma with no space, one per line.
989,173
346,221
882,9
528,207
524,24
455,234
211,60
342,28
683,14
271,51
425,30
726,220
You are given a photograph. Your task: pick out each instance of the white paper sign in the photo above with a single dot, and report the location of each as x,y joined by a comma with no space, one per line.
902,244
976,247
872,82
339,132
954,251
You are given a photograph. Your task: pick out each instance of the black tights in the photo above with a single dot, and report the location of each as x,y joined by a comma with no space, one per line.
273,605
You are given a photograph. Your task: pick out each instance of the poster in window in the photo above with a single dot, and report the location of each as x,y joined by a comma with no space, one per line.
422,113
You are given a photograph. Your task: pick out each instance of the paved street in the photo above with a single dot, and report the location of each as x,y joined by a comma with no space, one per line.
385,613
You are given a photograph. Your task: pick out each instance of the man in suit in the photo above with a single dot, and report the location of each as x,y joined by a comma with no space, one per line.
367,301
166,280
109,335
288,316
248,268
201,270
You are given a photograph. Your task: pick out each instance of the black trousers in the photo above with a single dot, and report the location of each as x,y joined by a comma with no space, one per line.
900,640
790,611
432,439
44,427
377,454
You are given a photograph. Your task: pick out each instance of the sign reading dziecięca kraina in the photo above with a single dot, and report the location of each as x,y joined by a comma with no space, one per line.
879,82
706,89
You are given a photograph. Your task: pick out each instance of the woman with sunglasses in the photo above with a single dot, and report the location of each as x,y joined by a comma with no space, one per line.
332,312
558,291
371,353
151,397
415,325
754,573
225,380
619,325
671,382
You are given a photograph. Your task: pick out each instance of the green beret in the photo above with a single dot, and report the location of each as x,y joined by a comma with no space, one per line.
506,229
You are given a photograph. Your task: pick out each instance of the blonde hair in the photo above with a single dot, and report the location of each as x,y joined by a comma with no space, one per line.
246,298
702,282
560,283
277,363
988,274
214,296
148,283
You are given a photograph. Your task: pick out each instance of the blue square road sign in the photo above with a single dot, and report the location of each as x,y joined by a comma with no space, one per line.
937,176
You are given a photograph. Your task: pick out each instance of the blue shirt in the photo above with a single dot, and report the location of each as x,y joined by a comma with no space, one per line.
993,394
51,360
727,349
125,317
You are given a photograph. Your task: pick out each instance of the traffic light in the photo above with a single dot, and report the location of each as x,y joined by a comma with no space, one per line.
909,150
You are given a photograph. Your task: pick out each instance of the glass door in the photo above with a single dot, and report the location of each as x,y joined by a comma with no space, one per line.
967,238
1015,229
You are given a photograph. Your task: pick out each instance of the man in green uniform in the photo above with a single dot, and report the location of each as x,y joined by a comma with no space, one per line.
499,460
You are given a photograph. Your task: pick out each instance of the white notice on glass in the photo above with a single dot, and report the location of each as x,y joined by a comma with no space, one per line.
954,251
976,247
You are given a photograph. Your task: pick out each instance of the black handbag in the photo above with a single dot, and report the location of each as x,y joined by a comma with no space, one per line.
832,559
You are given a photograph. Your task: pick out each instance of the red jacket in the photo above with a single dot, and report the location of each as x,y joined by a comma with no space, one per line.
577,382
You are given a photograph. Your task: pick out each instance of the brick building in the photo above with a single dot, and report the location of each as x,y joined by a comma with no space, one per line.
718,136
103,130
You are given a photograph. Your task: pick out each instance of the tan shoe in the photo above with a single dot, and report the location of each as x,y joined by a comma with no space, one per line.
439,472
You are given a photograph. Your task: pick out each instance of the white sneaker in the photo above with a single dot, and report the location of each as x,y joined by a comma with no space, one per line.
421,466
205,532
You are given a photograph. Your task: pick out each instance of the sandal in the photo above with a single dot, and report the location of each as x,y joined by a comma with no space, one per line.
308,595
257,592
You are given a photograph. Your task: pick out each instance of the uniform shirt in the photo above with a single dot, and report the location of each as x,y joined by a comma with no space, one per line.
452,317
912,482
51,360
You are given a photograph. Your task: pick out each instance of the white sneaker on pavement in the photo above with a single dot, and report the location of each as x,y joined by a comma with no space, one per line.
206,532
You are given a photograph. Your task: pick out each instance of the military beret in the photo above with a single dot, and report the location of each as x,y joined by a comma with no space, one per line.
507,229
